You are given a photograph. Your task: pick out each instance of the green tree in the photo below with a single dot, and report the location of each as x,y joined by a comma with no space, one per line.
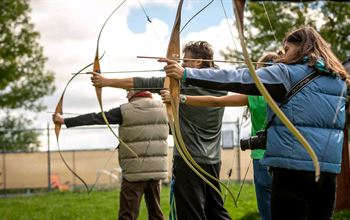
14,136
331,19
336,30
23,81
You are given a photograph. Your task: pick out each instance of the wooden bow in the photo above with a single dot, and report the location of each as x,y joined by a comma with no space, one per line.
97,69
238,8
59,110
173,110
59,107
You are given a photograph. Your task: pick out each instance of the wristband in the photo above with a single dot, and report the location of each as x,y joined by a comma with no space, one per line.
184,76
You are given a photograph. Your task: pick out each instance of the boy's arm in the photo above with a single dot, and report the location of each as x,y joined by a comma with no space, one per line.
114,116
153,84
214,101
209,101
99,80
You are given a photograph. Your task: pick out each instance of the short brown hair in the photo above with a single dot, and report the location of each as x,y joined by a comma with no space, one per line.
200,50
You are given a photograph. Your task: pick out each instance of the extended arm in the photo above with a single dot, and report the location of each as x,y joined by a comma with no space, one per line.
100,81
114,117
153,84
211,101
274,78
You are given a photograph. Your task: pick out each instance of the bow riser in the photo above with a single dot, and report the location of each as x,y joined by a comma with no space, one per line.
173,110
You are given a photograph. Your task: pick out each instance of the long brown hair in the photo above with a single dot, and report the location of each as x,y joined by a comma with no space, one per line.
312,45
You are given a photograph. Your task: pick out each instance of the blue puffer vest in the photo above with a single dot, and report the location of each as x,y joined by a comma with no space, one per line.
318,112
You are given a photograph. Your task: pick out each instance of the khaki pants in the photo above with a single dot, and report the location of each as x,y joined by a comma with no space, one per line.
130,199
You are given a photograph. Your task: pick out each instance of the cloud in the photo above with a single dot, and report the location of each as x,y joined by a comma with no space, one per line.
69,31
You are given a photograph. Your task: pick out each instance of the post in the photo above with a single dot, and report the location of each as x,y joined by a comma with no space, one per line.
48,158
238,153
4,170
73,167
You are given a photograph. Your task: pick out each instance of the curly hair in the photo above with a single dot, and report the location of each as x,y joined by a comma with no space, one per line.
200,50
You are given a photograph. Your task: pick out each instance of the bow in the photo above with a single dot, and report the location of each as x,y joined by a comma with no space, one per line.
238,8
59,109
173,110
97,69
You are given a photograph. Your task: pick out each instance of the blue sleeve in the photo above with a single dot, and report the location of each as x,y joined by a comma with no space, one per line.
275,78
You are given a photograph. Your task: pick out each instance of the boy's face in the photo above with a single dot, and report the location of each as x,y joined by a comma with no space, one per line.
190,63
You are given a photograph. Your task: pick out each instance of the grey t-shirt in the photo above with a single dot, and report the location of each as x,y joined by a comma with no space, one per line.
200,126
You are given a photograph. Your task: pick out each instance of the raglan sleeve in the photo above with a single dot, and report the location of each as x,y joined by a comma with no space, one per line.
113,116
275,78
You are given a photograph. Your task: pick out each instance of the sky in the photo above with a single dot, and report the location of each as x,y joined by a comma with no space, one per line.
69,31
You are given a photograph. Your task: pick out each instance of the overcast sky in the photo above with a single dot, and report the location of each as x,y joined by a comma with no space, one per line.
69,31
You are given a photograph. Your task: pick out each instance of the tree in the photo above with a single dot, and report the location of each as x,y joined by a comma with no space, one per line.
336,30
331,19
14,136
23,79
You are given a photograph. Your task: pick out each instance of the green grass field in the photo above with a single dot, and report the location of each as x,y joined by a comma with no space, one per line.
103,204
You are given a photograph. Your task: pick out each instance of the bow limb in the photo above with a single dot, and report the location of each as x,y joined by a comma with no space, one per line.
98,90
173,110
173,52
238,8
59,106
59,109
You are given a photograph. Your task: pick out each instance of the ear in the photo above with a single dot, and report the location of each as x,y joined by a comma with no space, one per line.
198,63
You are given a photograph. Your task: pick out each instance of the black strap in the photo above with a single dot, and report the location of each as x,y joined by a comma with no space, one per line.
294,90
299,86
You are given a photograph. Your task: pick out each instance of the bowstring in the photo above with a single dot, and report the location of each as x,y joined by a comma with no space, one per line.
228,24
197,13
243,117
149,20
269,21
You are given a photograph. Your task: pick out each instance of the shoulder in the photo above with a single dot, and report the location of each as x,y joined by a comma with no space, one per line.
275,69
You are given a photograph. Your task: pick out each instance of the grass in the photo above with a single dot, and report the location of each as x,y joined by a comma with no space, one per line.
103,204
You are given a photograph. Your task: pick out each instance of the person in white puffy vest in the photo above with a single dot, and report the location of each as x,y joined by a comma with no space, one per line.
144,128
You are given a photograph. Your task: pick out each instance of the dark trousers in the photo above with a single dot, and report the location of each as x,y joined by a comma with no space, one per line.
295,195
130,199
193,197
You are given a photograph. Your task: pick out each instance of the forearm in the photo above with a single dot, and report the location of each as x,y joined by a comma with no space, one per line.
124,83
113,116
209,101
213,101
153,84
